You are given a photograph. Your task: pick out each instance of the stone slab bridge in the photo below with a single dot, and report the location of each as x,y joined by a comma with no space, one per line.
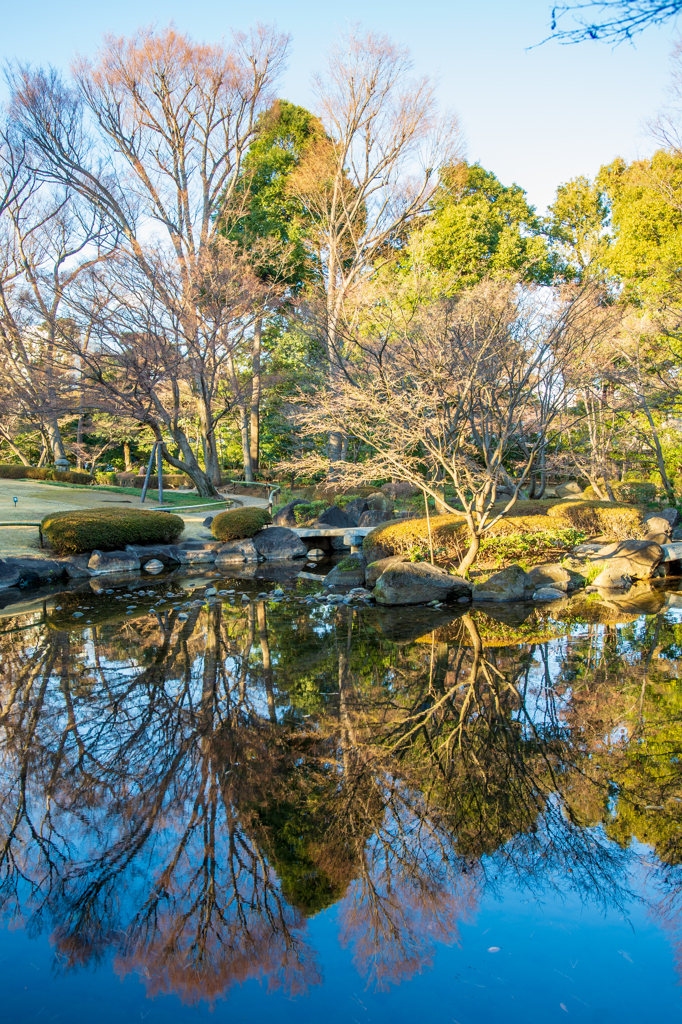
336,539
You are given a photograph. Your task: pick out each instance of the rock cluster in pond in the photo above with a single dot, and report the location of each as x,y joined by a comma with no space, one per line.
350,572
625,561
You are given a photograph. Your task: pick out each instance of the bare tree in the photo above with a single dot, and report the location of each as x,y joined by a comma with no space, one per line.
48,240
611,21
153,134
448,393
142,354
370,176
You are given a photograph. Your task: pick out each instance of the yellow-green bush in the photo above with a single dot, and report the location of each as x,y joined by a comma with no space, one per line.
108,529
237,523
638,491
533,531
619,521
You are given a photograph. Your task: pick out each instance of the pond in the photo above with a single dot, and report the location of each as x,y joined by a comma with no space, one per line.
259,805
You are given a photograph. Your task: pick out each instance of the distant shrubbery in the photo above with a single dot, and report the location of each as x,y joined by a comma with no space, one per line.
109,529
239,522
637,491
137,480
70,476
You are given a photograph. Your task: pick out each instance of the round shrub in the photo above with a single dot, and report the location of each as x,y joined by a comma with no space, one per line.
108,529
237,523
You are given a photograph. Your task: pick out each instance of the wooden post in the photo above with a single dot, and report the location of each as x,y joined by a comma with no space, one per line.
149,473
428,523
159,470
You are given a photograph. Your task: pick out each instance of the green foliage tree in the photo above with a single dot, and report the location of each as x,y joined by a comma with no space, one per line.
480,226
577,226
270,213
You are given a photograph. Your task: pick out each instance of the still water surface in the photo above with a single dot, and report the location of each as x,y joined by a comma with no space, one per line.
273,810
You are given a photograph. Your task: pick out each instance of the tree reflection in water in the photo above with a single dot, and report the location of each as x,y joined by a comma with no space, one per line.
183,795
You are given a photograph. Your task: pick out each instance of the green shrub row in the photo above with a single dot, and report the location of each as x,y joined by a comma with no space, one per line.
137,480
12,471
71,533
238,523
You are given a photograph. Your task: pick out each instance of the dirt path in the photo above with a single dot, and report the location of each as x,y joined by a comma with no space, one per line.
35,500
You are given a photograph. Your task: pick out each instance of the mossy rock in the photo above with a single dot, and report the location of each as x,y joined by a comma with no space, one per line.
70,533
237,523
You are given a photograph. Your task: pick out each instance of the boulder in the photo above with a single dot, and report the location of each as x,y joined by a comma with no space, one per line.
350,572
400,489
332,518
37,570
76,566
548,594
374,517
627,560
569,490
554,575
510,584
380,502
153,566
207,521
9,575
285,516
658,526
671,515
236,551
112,561
417,582
339,543
279,544
354,510
375,569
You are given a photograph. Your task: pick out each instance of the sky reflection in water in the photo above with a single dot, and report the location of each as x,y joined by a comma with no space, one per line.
298,812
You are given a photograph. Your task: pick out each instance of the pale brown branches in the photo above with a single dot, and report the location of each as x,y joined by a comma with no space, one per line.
375,170
467,392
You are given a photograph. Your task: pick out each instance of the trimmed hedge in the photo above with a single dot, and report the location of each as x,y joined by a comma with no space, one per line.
137,480
12,471
109,529
237,523
533,530
619,521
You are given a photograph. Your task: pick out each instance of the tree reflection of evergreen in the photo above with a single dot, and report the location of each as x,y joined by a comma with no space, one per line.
185,795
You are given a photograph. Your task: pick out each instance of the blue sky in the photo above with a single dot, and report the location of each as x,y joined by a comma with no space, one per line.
537,116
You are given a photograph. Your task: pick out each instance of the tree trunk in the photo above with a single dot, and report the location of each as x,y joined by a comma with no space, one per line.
43,455
13,448
246,451
470,557
54,436
254,441
127,458
79,441
188,464
665,480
